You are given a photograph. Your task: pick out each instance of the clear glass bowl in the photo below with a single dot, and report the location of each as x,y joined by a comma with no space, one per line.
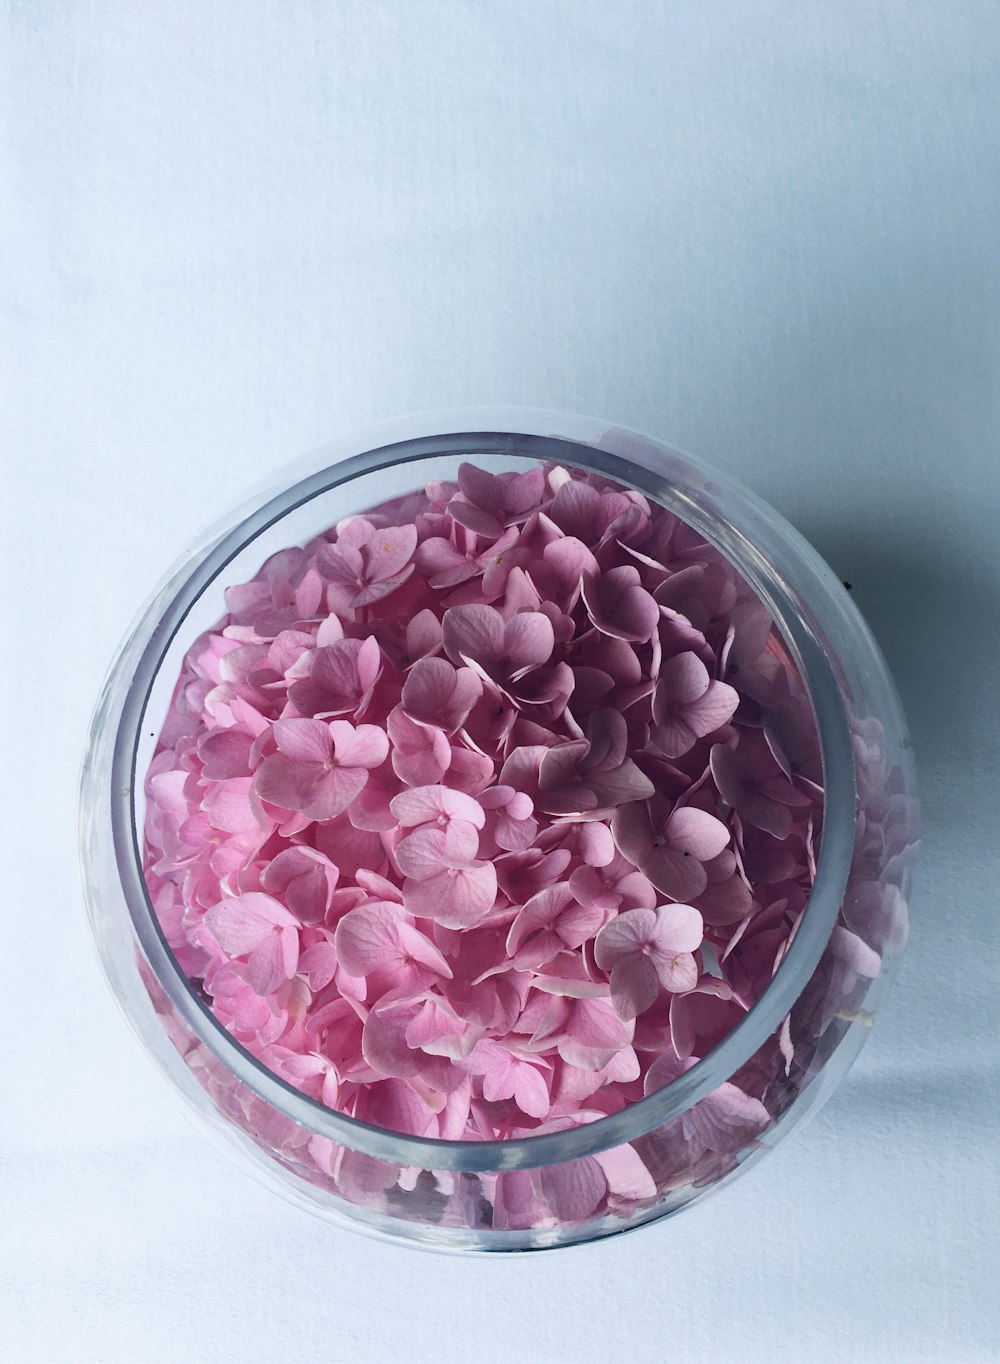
647,1161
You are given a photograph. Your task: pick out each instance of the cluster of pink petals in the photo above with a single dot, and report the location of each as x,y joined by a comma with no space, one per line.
490,811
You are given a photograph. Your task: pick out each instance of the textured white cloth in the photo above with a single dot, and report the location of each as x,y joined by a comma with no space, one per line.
766,231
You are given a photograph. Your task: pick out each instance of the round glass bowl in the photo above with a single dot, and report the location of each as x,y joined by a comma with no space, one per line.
651,1159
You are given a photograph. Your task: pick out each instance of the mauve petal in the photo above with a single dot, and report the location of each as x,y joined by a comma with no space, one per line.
236,925
303,740
456,897
683,679
432,849
473,632
225,753
541,911
575,1189
622,786
677,972
696,832
596,844
443,565
528,640
423,634
673,736
475,519
675,872
334,793
712,710
288,783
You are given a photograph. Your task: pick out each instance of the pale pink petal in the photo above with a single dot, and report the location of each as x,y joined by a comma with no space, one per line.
696,832
358,746
368,938
634,984
273,960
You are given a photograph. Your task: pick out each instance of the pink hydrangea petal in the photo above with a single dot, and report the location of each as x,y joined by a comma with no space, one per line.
368,937
634,985
359,746
473,632
428,804
273,960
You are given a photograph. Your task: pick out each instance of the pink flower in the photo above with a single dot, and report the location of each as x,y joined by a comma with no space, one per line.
500,651
447,563
420,755
613,886
508,817
644,949
378,936
724,1121
305,880
438,695
551,921
367,562
488,502
263,931
340,681
319,767
509,1074
670,850
619,605
751,782
687,704
443,881
591,773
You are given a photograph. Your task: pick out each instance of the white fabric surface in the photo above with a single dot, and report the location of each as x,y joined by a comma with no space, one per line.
766,231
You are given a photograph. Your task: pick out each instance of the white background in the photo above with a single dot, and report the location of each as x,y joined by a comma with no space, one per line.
766,231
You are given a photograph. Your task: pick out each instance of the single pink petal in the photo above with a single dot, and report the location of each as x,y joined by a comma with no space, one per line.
528,640
574,1189
358,746
239,923
423,635
678,928
368,938
634,984
273,960
531,1093
696,832
473,632
384,1045
683,678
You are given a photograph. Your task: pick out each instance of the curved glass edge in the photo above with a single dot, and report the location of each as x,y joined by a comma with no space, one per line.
408,1148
